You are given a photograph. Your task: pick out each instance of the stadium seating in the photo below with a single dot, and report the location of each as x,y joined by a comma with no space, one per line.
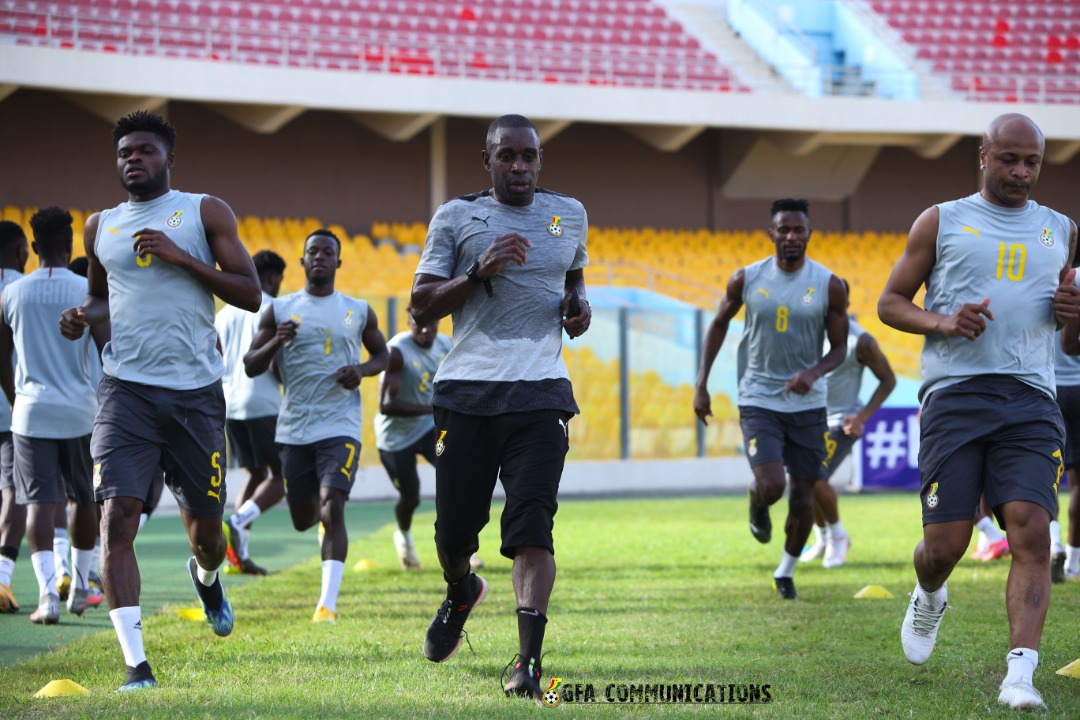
691,265
598,42
995,50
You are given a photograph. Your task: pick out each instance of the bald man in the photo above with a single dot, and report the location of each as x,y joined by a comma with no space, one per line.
997,270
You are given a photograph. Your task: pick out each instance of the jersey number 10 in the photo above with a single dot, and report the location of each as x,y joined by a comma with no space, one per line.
1017,256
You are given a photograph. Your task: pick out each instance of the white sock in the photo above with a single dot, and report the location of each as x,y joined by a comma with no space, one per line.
836,530
332,570
245,536
82,561
44,562
7,568
787,565
246,515
61,546
987,526
97,556
1022,663
1055,538
820,532
933,599
142,520
128,624
206,577
1072,560
983,542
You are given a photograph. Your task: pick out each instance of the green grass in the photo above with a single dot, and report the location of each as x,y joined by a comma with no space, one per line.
649,591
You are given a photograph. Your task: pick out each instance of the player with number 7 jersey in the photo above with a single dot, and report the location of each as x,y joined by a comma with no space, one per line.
313,339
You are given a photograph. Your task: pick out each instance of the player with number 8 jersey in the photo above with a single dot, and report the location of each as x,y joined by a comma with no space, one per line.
313,338
792,304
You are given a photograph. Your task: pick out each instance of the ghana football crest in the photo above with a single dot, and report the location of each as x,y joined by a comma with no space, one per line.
551,696
555,228
175,219
439,444
931,497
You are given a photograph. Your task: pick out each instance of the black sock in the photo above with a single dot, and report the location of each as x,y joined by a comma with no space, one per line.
531,624
211,596
139,672
460,592
9,552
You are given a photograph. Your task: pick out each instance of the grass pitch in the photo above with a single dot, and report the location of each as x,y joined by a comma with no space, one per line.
655,591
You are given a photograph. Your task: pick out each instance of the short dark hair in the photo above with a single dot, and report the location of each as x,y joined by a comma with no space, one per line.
323,232
268,262
790,205
11,234
52,228
145,121
508,121
80,265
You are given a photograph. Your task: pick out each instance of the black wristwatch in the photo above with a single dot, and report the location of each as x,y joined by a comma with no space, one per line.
473,277
471,273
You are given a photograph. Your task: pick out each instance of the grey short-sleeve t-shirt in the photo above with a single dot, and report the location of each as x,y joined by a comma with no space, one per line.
507,349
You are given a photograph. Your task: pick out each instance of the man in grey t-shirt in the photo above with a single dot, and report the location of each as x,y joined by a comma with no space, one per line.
507,263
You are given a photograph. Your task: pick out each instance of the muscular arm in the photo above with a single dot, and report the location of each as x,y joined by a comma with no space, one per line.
730,305
896,307
390,386
236,282
575,288
95,307
269,338
350,376
375,343
868,352
836,331
1067,295
434,297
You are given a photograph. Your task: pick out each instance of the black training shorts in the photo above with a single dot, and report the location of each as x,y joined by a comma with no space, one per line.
992,434
252,442
324,463
796,439
43,466
141,427
526,451
400,465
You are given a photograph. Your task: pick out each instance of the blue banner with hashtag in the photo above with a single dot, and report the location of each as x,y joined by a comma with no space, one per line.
890,450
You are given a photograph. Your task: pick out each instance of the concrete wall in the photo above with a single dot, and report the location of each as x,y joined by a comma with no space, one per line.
326,165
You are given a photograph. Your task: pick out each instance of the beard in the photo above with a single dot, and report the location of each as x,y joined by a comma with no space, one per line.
147,184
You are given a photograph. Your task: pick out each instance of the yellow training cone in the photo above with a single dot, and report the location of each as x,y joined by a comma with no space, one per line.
1071,670
61,688
364,564
874,592
192,614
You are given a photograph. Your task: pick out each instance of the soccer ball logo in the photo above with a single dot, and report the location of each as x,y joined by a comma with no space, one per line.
175,219
555,228
551,696
931,497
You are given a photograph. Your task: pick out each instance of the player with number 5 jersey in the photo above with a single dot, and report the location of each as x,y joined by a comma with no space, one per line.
313,339
155,264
